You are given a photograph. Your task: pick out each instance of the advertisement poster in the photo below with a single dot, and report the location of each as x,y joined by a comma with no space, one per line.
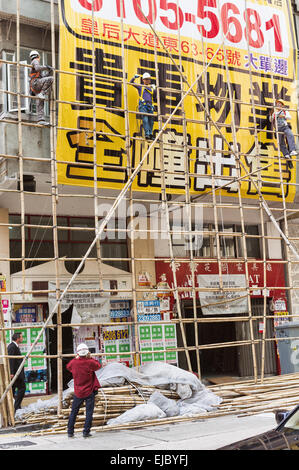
120,309
91,307
223,303
35,368
156,338
116,339
254,39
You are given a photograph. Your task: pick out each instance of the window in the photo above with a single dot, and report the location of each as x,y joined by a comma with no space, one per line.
12,86
71,243
230,244
9,81
252,241
201,244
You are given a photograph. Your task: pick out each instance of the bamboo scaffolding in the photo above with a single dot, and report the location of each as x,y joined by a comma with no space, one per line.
167,207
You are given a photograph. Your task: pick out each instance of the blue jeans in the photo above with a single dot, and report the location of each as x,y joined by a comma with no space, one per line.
148,121
285,132
77,402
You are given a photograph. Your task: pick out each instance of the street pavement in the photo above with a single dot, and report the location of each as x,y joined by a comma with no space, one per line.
207,434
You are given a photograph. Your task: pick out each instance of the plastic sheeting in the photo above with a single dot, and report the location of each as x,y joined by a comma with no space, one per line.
156,374
195,398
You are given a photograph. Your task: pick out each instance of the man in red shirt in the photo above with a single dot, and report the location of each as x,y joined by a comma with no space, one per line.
86,384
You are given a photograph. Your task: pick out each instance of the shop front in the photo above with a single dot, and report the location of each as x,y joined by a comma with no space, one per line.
219,341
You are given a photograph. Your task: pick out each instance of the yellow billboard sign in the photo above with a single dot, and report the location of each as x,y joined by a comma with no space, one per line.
102,47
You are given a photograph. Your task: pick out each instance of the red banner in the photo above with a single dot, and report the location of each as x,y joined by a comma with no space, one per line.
274,285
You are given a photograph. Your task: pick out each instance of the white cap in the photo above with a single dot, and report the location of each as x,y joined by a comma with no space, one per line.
146,75
82,349
33,54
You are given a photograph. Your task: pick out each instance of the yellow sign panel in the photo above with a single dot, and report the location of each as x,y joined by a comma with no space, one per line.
253,42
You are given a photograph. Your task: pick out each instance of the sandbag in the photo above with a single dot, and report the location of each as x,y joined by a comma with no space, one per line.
145,412
190,409
169,406
205,398
154,373
184,391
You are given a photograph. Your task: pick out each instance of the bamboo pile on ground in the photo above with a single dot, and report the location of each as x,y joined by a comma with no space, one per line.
242,398
110,402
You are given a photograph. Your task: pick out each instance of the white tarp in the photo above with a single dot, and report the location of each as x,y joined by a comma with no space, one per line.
195,398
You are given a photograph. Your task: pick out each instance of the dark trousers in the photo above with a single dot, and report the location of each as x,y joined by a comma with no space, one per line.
44,85
77,402
148,121
18,390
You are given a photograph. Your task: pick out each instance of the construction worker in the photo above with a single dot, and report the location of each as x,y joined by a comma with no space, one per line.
86,384
41,83
19,387
146,96
278,117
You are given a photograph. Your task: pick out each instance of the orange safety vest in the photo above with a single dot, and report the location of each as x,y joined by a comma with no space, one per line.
33,76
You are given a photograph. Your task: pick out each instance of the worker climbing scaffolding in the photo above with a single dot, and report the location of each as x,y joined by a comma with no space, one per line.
146,92
278,117
41,83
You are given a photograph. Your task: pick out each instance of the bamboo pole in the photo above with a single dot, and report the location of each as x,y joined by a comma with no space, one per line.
134,327
188,206
165,210
235,146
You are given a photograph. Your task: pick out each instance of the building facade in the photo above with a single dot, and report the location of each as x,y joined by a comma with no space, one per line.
157,274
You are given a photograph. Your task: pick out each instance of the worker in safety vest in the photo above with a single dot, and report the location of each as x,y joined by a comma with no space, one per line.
146,98
41,83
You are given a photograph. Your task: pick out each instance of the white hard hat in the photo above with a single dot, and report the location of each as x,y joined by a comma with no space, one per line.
146,75
82,349
33,54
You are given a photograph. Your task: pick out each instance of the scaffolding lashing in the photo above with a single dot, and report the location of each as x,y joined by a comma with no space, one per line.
199,142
